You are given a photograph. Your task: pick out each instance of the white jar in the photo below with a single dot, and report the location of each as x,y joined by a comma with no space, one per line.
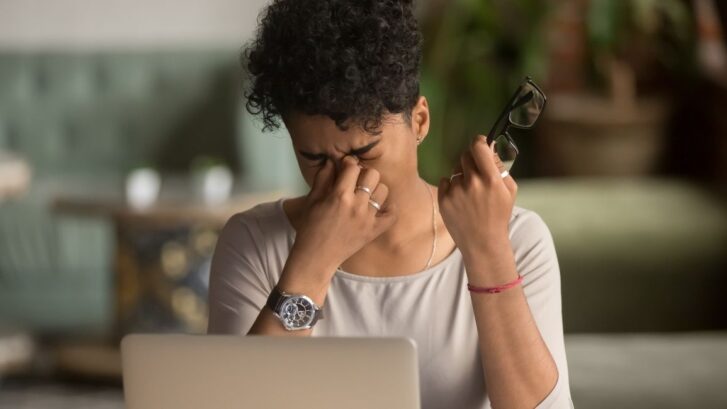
213,184
142,187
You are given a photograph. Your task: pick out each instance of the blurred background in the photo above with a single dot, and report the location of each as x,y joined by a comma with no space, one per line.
124,147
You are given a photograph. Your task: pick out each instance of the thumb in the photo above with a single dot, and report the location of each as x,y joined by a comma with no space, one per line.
322,181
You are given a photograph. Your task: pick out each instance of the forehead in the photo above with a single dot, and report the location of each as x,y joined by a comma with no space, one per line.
321,131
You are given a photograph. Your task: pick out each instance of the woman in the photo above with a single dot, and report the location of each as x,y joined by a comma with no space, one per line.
372,249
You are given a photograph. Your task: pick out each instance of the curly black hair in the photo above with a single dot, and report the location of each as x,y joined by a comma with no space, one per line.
354,61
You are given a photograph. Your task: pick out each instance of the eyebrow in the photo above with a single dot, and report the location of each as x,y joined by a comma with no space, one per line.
357,151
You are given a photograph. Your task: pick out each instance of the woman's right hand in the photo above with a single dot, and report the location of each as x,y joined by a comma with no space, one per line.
338,219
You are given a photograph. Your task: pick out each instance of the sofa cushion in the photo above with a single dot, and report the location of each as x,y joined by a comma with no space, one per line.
636,254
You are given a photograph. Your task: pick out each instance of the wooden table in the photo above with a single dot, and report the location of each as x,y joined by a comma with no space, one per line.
162,255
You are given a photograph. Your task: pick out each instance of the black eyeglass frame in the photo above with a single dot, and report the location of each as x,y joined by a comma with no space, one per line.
505,115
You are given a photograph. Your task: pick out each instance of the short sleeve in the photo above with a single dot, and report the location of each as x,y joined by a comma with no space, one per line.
537,262
238,286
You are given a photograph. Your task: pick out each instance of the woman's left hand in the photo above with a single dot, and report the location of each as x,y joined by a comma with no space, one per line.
476,207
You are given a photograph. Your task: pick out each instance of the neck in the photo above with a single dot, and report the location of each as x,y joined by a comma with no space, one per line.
415,213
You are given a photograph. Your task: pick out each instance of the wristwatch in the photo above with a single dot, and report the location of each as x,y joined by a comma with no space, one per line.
295,311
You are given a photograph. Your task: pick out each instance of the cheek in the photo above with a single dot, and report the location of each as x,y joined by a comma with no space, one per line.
308,171
384,169
309,174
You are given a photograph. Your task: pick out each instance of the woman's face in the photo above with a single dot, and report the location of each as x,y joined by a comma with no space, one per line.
391,152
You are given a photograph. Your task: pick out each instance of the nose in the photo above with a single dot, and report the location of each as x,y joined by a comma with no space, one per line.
339,162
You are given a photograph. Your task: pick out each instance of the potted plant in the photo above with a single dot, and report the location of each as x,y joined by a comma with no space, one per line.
614,124
475,54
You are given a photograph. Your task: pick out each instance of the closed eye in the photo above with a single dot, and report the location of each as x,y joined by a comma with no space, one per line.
320,162
321,157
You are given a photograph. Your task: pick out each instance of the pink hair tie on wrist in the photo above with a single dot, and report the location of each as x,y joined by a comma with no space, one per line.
496,289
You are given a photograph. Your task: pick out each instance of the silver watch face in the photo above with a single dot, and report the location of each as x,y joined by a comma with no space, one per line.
297,312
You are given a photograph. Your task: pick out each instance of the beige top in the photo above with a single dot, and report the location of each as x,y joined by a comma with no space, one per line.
433,307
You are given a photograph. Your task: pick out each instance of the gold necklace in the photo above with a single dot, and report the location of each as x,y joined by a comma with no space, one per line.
434,225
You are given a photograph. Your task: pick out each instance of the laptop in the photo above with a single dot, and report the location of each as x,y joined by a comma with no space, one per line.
230,371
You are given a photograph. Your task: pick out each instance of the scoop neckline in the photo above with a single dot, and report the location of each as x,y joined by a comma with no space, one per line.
451,258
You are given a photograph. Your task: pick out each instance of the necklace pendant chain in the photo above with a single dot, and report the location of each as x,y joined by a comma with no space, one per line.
434,225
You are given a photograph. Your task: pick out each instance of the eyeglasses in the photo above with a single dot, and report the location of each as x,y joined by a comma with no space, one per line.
523,109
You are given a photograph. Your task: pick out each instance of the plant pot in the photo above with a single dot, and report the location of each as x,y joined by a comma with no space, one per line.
590,135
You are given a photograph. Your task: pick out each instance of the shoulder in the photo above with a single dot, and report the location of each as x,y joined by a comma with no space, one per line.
526,224
260,211
532,242
258,228
253,238
263,218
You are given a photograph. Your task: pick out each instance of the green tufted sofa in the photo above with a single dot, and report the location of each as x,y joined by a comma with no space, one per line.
83,119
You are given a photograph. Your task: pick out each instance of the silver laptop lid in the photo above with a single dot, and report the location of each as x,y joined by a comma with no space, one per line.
227,371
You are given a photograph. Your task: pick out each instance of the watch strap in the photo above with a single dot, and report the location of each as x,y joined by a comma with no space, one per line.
274,299
276,296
